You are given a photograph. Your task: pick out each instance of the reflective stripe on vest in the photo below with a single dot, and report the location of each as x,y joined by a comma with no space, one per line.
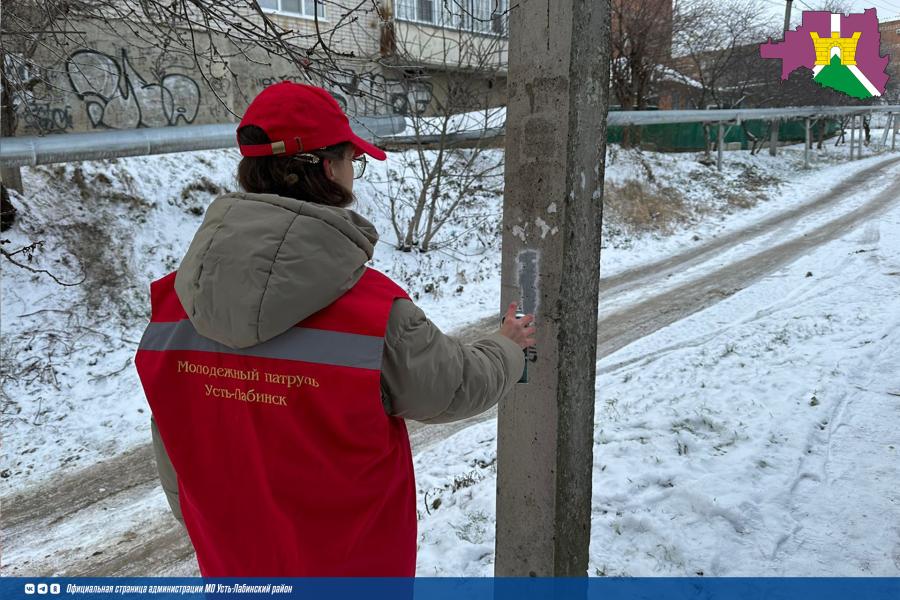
287,464
307,345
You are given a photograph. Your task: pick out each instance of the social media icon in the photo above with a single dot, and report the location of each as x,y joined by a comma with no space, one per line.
29,588
42,588
54,588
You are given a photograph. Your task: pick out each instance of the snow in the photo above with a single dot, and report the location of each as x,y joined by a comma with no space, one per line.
755,438
765,481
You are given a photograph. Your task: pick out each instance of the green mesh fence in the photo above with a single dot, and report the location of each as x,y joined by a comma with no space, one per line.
683,137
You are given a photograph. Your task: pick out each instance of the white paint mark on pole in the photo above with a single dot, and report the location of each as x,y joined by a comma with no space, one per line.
519,231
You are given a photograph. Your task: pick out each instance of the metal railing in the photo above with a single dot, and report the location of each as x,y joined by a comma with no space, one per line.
22,151
719,118
67,147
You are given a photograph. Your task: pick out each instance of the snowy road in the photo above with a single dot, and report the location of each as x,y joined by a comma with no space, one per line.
111,519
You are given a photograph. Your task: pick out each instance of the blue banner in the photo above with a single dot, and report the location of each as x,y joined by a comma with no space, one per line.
456,588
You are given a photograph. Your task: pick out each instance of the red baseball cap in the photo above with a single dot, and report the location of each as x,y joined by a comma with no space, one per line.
300,118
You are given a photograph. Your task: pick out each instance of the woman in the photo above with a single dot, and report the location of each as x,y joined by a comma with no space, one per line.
279,369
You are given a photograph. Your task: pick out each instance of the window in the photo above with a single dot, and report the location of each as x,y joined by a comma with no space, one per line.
303,8
416,10
480,16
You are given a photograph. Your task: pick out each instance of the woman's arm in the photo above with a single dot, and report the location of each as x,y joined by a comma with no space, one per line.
433,378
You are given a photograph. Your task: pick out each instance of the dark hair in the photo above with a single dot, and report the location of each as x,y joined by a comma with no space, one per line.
284,176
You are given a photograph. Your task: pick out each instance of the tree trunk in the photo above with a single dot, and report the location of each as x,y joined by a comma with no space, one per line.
11,177
7,210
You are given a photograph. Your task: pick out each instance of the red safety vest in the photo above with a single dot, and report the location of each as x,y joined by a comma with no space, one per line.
287,463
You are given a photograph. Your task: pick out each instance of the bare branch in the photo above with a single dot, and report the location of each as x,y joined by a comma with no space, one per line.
29,250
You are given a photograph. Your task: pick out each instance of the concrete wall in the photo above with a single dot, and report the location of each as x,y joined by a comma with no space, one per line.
439,46
118,81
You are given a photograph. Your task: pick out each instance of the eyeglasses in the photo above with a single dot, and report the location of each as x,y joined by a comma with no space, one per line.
359,163
359,166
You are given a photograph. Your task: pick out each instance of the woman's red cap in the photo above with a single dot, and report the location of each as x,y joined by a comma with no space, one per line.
300,118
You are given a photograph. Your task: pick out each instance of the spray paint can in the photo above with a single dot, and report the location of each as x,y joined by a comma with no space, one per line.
524,377
525,351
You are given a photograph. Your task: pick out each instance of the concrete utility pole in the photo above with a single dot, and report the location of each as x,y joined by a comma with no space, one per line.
787,15
555,159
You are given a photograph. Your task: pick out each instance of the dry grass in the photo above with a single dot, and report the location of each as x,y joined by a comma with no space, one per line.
752,189
640,207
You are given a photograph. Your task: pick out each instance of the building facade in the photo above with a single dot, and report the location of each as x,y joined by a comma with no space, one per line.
890,45
389,57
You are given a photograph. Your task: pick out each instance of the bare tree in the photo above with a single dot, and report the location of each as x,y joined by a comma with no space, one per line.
713,42
640,41
461,67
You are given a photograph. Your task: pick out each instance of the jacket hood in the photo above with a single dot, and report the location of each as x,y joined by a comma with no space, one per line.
260,263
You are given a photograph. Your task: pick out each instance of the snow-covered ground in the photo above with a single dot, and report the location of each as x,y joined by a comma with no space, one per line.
759,437
717,423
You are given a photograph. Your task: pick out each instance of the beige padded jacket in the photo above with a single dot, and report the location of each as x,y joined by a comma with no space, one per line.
261,263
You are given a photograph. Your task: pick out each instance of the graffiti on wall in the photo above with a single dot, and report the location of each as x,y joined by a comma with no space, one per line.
39,108
370,93
116,96
45,117
127,88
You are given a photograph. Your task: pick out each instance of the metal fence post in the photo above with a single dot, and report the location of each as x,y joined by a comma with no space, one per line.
852,134
807,145
887,128
894,136
773,138
861,138
721,142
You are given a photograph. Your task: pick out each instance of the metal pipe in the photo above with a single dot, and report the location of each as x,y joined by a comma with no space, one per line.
887,128
23,151
35,150
719,144
852,134
727,115
461,139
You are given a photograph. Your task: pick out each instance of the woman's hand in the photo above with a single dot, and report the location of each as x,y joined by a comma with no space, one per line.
520,330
